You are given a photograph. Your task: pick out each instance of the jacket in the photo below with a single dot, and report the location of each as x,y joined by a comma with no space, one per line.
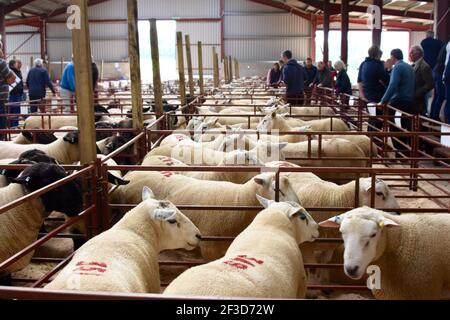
294,78
402,84
343,84
37,80
374,79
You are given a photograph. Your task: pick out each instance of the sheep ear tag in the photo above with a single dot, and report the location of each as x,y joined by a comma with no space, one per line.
333,222
164,214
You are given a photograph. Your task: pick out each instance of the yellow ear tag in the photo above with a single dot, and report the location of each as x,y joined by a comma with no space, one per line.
381,223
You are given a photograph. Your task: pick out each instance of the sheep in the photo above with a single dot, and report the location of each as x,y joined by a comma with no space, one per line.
26,137
411,252
183,190
304,112
333,148
264,261
28,157
56,122
125,257
275,121
19,226
64,150
237,157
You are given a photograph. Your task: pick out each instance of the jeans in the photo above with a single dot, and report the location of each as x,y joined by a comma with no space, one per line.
296,100
439,96
447,103
2,119
34,104
14,108
405,124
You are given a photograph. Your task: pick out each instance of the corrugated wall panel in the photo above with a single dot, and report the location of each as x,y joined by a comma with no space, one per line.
247,6
23,44
417,37
207,32
169,9
113,9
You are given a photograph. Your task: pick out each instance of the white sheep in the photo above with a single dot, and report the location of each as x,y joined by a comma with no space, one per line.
264,261
64,150
305,112
183,190
125,257
19,226
409,252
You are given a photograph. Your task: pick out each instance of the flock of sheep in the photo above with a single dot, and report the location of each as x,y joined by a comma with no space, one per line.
266,258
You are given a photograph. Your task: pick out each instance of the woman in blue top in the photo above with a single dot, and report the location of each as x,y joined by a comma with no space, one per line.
274,75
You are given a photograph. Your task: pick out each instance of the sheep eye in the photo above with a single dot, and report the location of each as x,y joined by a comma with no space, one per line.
302,216
373,235
379,193
172,221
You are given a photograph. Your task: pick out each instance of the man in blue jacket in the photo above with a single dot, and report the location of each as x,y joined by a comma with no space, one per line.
38,80
293,76
67,85
400,94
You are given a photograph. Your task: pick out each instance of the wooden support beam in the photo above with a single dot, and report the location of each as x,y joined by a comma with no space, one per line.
81,45
215,57
181,68
344,31
187,41
326,29
376,32
236,68
135,66
157,87
102,68
200,68
43,39
31,62
225,69
313,37
230,67
3,29
442,19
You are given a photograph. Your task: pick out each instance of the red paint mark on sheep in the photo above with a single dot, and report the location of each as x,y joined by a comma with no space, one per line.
166,173
91,268
180,137
243,262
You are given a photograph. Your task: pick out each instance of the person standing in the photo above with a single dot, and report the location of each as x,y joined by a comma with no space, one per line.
16,94
343,84
7,77
439,88
310,71
274,75
372,82
446,80
323,76
400,94
37,82
431,48
67,86
424,79
293,77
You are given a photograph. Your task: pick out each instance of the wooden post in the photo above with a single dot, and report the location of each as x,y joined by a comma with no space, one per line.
187,41
135,66
31,62
376,32
215,57
225,69
230,62
326,29
61,68
181,68
102,68
157,90
344,31
200,68
236,68
83,83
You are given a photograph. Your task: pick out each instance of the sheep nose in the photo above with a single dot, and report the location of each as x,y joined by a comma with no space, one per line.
351,270
198,236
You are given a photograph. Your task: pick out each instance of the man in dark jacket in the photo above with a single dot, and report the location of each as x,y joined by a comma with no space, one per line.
431,48
293,77
16,94
372,82
446,80
323,76
424,78
37,81
7,77
439,88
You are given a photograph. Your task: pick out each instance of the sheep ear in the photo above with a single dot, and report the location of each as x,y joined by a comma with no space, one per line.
147,193
264,202
118,181
386,222
25,180
333,222
263,180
